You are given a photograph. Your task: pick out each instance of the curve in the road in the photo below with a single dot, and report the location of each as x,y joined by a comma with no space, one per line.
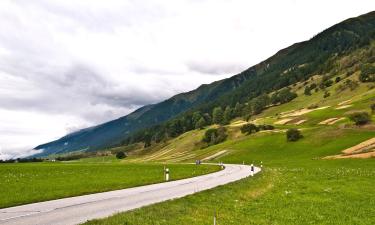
79,209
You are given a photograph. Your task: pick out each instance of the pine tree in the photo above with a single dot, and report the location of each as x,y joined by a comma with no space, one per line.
228,115
218,115
200,124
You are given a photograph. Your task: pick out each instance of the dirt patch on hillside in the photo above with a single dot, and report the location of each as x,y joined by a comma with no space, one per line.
365,149
357,156
238,123
344,102
300,122
301,111
331,121
344,106
283,121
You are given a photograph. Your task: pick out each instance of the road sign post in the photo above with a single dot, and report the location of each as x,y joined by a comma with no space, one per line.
166,174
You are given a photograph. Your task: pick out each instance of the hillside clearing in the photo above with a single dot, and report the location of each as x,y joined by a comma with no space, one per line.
362,150
344,107
301,112
331,121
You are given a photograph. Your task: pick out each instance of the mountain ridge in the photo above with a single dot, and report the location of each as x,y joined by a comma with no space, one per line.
289,65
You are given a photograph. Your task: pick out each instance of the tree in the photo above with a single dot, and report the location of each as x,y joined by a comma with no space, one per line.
175,128
218,115
293,134
237,110
207,118
284,96
120,155
228,115
259,103
214,136
196,117
367,73
326,94
147,140
307,91
360,118
249,128
200,123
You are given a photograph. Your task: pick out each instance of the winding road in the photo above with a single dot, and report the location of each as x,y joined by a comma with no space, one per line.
79,209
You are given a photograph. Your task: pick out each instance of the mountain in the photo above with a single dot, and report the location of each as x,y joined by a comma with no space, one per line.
293,64
113,132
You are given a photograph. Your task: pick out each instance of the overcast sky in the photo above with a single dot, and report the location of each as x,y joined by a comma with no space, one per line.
65,65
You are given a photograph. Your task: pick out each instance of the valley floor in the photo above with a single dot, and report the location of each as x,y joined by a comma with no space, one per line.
23,183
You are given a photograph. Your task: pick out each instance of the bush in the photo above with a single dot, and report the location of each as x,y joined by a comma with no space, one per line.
372,108
249,128
360,118
326,94
266,127
367,73
352,85
214,136
293,135
120,155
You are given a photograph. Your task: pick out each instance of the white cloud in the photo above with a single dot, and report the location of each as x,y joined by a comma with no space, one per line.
65,64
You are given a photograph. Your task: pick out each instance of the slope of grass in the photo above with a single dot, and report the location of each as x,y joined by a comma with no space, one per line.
23,183
296,187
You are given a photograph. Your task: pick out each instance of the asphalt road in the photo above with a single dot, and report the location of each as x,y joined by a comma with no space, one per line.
79,209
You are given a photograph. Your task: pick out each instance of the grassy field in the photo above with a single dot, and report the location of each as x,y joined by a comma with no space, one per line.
33,182
295,187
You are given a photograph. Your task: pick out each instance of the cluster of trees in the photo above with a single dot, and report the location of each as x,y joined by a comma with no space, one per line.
348,84
326,82
252,128
214,136
21,160
309,88
367,73
199,120
70,157
360,118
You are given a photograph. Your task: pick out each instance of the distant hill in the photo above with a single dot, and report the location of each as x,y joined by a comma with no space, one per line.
113,132
291,65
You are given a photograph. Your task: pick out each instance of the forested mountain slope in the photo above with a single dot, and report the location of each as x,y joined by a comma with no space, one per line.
246,90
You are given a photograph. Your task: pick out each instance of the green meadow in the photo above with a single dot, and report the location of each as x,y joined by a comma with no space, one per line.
22,183
295,186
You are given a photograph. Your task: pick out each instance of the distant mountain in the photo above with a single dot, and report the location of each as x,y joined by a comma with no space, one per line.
288,66
113,132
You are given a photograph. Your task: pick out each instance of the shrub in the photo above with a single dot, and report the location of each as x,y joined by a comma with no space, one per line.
120,155
293,135
266,127
214,136
337,79
352,85
326,94
372,107
367,73
307,91
360,118
249,128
